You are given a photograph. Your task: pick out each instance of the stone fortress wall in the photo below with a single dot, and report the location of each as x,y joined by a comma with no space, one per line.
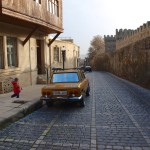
127,37
110,43
128,54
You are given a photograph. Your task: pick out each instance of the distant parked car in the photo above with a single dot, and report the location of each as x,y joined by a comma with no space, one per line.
88,68
69,85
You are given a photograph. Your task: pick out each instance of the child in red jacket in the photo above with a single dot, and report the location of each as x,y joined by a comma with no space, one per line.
16,88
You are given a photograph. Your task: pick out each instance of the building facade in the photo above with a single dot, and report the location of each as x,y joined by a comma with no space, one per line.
24,44
54,55
72,54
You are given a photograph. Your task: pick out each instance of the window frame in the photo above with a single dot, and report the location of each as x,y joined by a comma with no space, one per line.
53,7
12,52
1,53
38,1
56,54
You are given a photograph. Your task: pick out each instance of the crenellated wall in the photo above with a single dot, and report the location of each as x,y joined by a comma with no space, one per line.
131,58
132,36
110,43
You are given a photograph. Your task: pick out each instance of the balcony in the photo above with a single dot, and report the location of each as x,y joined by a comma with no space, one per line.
30,14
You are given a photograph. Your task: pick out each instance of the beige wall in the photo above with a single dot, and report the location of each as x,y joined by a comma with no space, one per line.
72,54
27,54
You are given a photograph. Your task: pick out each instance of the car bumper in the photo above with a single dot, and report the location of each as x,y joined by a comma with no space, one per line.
61,99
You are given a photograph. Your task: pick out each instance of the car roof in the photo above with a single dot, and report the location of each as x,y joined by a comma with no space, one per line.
60,70
63,71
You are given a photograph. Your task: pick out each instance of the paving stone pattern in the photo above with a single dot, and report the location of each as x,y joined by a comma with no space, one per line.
116,117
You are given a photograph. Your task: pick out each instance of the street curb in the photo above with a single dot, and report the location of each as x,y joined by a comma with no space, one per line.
32,106
26,109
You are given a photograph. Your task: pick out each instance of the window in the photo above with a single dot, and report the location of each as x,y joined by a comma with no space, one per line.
12,51
1,53
65,77
56,53
52,7
38,1
49,6
56,8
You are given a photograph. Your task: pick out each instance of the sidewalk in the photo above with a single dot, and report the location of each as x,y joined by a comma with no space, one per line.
10,111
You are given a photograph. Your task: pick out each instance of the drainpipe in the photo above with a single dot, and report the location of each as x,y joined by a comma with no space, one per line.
47,76
50,63
30,64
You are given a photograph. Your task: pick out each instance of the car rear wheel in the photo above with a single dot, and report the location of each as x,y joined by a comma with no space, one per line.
82,103
49,104
88,91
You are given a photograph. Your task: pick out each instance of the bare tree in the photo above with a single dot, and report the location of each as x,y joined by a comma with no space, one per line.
98,43
96,47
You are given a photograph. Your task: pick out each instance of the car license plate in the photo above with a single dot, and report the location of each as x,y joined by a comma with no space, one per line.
59,92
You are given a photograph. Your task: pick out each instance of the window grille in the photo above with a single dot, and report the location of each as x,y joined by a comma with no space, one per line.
12,51
56,54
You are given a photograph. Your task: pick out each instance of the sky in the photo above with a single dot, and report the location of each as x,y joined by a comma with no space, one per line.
83,19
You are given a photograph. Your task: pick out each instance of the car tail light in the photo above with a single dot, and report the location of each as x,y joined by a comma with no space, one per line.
71,92
74,92
43,93
48,93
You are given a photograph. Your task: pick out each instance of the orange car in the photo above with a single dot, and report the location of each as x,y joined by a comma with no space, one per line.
69,85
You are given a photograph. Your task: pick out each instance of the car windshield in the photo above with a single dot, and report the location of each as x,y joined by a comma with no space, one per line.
65,77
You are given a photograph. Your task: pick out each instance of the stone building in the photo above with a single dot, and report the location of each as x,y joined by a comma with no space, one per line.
24,44
72,53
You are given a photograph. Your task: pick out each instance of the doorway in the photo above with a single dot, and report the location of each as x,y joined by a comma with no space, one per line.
40,57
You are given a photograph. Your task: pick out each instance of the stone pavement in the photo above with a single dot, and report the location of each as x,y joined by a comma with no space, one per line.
115,117
10,111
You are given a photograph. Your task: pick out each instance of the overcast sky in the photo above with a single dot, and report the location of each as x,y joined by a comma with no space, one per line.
83,19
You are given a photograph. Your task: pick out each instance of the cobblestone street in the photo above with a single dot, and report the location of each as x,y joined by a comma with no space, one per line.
116,117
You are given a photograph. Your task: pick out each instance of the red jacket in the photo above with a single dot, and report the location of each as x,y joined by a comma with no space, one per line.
16,87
